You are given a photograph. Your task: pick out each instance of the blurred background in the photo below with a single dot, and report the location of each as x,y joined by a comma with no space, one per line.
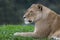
12,11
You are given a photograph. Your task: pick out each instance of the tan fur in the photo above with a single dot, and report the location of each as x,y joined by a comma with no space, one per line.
47,22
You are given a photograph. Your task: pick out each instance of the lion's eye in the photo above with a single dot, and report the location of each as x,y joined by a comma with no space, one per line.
31,14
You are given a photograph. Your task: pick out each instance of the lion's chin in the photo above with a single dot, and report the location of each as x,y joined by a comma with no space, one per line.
26,22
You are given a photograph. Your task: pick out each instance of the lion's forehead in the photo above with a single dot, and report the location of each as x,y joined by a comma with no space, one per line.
32,8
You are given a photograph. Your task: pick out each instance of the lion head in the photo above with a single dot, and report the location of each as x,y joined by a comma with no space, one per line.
34,13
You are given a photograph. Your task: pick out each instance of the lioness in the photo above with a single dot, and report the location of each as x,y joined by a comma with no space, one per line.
47,22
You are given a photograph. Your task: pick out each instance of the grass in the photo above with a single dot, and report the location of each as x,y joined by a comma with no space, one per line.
7,31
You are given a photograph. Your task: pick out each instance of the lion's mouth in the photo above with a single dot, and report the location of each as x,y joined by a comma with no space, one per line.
28,22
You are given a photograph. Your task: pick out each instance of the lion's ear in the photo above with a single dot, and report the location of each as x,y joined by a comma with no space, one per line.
39,7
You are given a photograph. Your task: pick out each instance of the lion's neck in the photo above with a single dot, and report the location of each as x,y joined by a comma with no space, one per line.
45,23
50,18
41,25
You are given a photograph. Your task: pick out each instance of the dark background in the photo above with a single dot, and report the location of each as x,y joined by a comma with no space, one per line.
12,11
